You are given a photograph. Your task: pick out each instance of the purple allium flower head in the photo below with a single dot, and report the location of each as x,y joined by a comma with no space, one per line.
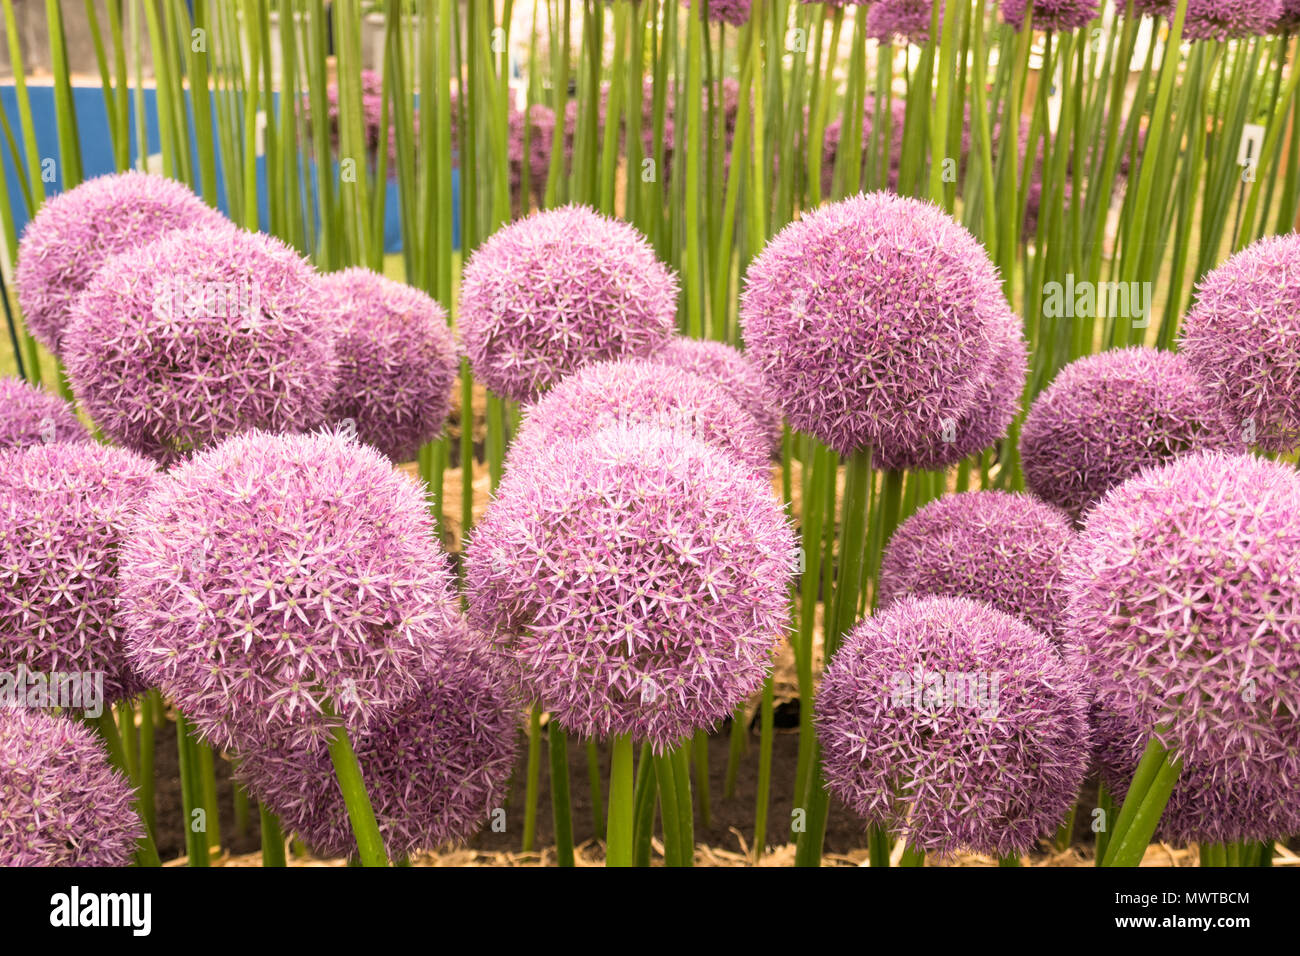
1243,339
1003,548
954,725
1288,17
642,392
397,362
997,402
30,415
276,575
64,509
75,232
1051,14
1184,610
548,294
907,20
201,335
1219,19
875,320
728,367
61,803
435,768
734,12
638,577
1229,19
1152,8
1105,417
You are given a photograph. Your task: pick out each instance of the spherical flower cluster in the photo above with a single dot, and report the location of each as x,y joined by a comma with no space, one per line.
434,769
641,392
61,804
985,422
557,290
876,320
1229,19
1288,17
638,577
30,415
201,335
1153,8
1051,14
728,367
397,362
1243,338
76,232
906,20
64,509
275,578
734,12
1184,610
954,725
999,547
1108,416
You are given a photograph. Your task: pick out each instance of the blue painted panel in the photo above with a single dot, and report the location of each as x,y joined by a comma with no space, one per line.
97,153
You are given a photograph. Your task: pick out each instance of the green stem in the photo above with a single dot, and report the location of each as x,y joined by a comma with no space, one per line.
1105,803
1265,854
1143,777
666,777
1128,844
272,838
208,781
644,807
764,768
557,745
618,843
681,757
196,842
878,846
911,857
146,853
672,771
884,521
370,845
814,489
148,708
1066,831
533,778
126,721
843,610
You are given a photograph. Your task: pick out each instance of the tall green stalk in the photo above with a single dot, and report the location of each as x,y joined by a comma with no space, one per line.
370,844
619,842
557,747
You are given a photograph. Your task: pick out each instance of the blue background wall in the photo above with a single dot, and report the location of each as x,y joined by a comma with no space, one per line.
97,152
